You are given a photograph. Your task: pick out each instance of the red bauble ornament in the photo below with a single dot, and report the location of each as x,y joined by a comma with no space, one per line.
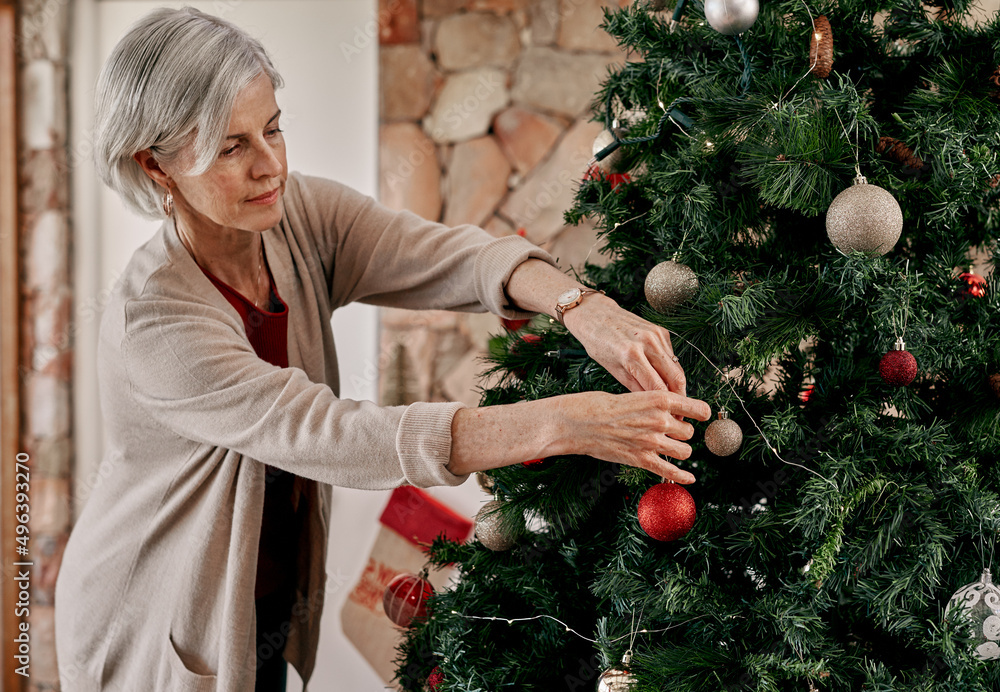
513,325
975,286
667,512
533,462
806,394
434,679
898,367
522,373
525,339
405,599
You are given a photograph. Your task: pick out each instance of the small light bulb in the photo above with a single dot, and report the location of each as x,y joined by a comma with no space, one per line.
819,36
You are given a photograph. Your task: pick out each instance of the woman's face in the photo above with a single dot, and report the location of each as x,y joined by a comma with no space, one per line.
243,189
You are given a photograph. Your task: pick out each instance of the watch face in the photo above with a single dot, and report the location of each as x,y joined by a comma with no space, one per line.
568,296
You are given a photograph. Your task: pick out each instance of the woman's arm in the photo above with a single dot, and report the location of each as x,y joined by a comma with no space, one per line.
637,353
632,429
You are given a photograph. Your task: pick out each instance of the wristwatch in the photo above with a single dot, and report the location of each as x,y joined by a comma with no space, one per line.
570,299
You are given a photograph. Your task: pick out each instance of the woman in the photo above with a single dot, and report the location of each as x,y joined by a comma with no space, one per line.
218,375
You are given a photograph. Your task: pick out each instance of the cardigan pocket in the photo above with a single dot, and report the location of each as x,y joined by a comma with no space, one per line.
181,678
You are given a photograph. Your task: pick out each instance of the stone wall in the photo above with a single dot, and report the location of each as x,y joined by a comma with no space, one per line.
46,351
485,119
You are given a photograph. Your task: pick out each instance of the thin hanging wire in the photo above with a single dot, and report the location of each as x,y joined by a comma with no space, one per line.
632,635
857,148
751,418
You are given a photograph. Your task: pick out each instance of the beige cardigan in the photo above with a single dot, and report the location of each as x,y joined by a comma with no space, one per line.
156,587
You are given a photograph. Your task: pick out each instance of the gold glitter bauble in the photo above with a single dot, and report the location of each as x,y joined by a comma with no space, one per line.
614,163
723,436
864,218
669,284
615,680
485,482
491,528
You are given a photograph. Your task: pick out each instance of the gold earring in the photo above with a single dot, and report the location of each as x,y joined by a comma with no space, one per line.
168,204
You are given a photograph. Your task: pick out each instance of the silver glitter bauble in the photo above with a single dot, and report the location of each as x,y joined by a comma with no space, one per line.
615,680
491,528
980,603
669,284
731,17
614,163
864,218
723,436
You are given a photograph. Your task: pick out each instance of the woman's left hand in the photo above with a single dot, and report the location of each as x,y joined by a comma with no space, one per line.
639,354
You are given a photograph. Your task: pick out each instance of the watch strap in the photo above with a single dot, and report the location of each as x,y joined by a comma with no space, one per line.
561,309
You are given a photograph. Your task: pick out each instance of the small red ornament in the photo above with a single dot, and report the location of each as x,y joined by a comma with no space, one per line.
806,394
405,599
616,179
898,367
975,285
434,679
513,325
533,462
667,512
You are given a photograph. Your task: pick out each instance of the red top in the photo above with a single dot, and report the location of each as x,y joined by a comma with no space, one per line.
268,334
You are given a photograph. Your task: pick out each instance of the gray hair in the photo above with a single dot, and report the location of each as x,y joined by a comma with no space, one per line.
171,81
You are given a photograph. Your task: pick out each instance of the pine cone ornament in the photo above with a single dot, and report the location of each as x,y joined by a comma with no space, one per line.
897,151
995,384
821,48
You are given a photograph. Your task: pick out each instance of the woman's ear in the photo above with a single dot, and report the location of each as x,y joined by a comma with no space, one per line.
152,168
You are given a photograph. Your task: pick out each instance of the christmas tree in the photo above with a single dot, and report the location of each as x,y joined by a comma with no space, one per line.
798,194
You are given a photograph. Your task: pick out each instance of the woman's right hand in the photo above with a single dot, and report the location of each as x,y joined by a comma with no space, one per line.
632,429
